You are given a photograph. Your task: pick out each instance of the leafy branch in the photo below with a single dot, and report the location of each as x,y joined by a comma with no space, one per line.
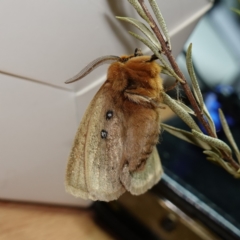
158,40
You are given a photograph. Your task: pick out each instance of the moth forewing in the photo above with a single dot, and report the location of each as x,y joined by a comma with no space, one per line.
93,167
103,151
114,148
75,181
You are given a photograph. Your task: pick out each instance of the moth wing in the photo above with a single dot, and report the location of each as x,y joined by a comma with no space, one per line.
140,181
94,164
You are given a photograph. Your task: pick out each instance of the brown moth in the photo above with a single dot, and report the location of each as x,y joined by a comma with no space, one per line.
115,146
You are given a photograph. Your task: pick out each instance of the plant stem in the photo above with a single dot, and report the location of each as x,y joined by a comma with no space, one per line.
167,52
175,67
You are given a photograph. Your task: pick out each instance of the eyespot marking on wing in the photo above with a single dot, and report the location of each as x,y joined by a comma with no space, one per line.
109,114
104,134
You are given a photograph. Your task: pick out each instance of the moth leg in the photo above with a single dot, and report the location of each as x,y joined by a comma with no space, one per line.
140,96
161,106
172,86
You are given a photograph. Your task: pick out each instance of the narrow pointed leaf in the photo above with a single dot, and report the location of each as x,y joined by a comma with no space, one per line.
143,28
222,163
146,42
185,107
139,10
185,136
169,69
160,20
213,142
165,71
196,88
180,112
217,151
209,119
236,10
211,159
229,134
212,154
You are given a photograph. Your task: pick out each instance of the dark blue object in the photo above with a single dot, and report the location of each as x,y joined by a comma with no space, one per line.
225,98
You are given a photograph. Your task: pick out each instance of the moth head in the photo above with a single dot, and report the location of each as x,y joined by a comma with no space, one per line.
141,63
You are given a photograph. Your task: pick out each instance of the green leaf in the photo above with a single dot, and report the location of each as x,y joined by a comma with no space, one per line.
181,112
209,119
228,167
146,42
214,142
160,20
196,88
143,28
165,71
229,134
139,10
185,107
212,154
185,136
236,10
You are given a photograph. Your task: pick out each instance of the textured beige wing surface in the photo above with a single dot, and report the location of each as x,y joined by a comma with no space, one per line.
94,163
140,181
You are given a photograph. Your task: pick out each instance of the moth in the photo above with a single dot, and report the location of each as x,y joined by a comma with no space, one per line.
115,146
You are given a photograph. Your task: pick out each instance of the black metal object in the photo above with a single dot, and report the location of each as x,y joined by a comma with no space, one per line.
120,223
202,189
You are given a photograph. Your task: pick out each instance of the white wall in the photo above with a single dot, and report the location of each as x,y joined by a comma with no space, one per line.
43,43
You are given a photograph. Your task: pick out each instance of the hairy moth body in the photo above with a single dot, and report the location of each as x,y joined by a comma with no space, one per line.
115,146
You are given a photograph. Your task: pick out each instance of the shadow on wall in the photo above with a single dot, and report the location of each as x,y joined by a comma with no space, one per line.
118,8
